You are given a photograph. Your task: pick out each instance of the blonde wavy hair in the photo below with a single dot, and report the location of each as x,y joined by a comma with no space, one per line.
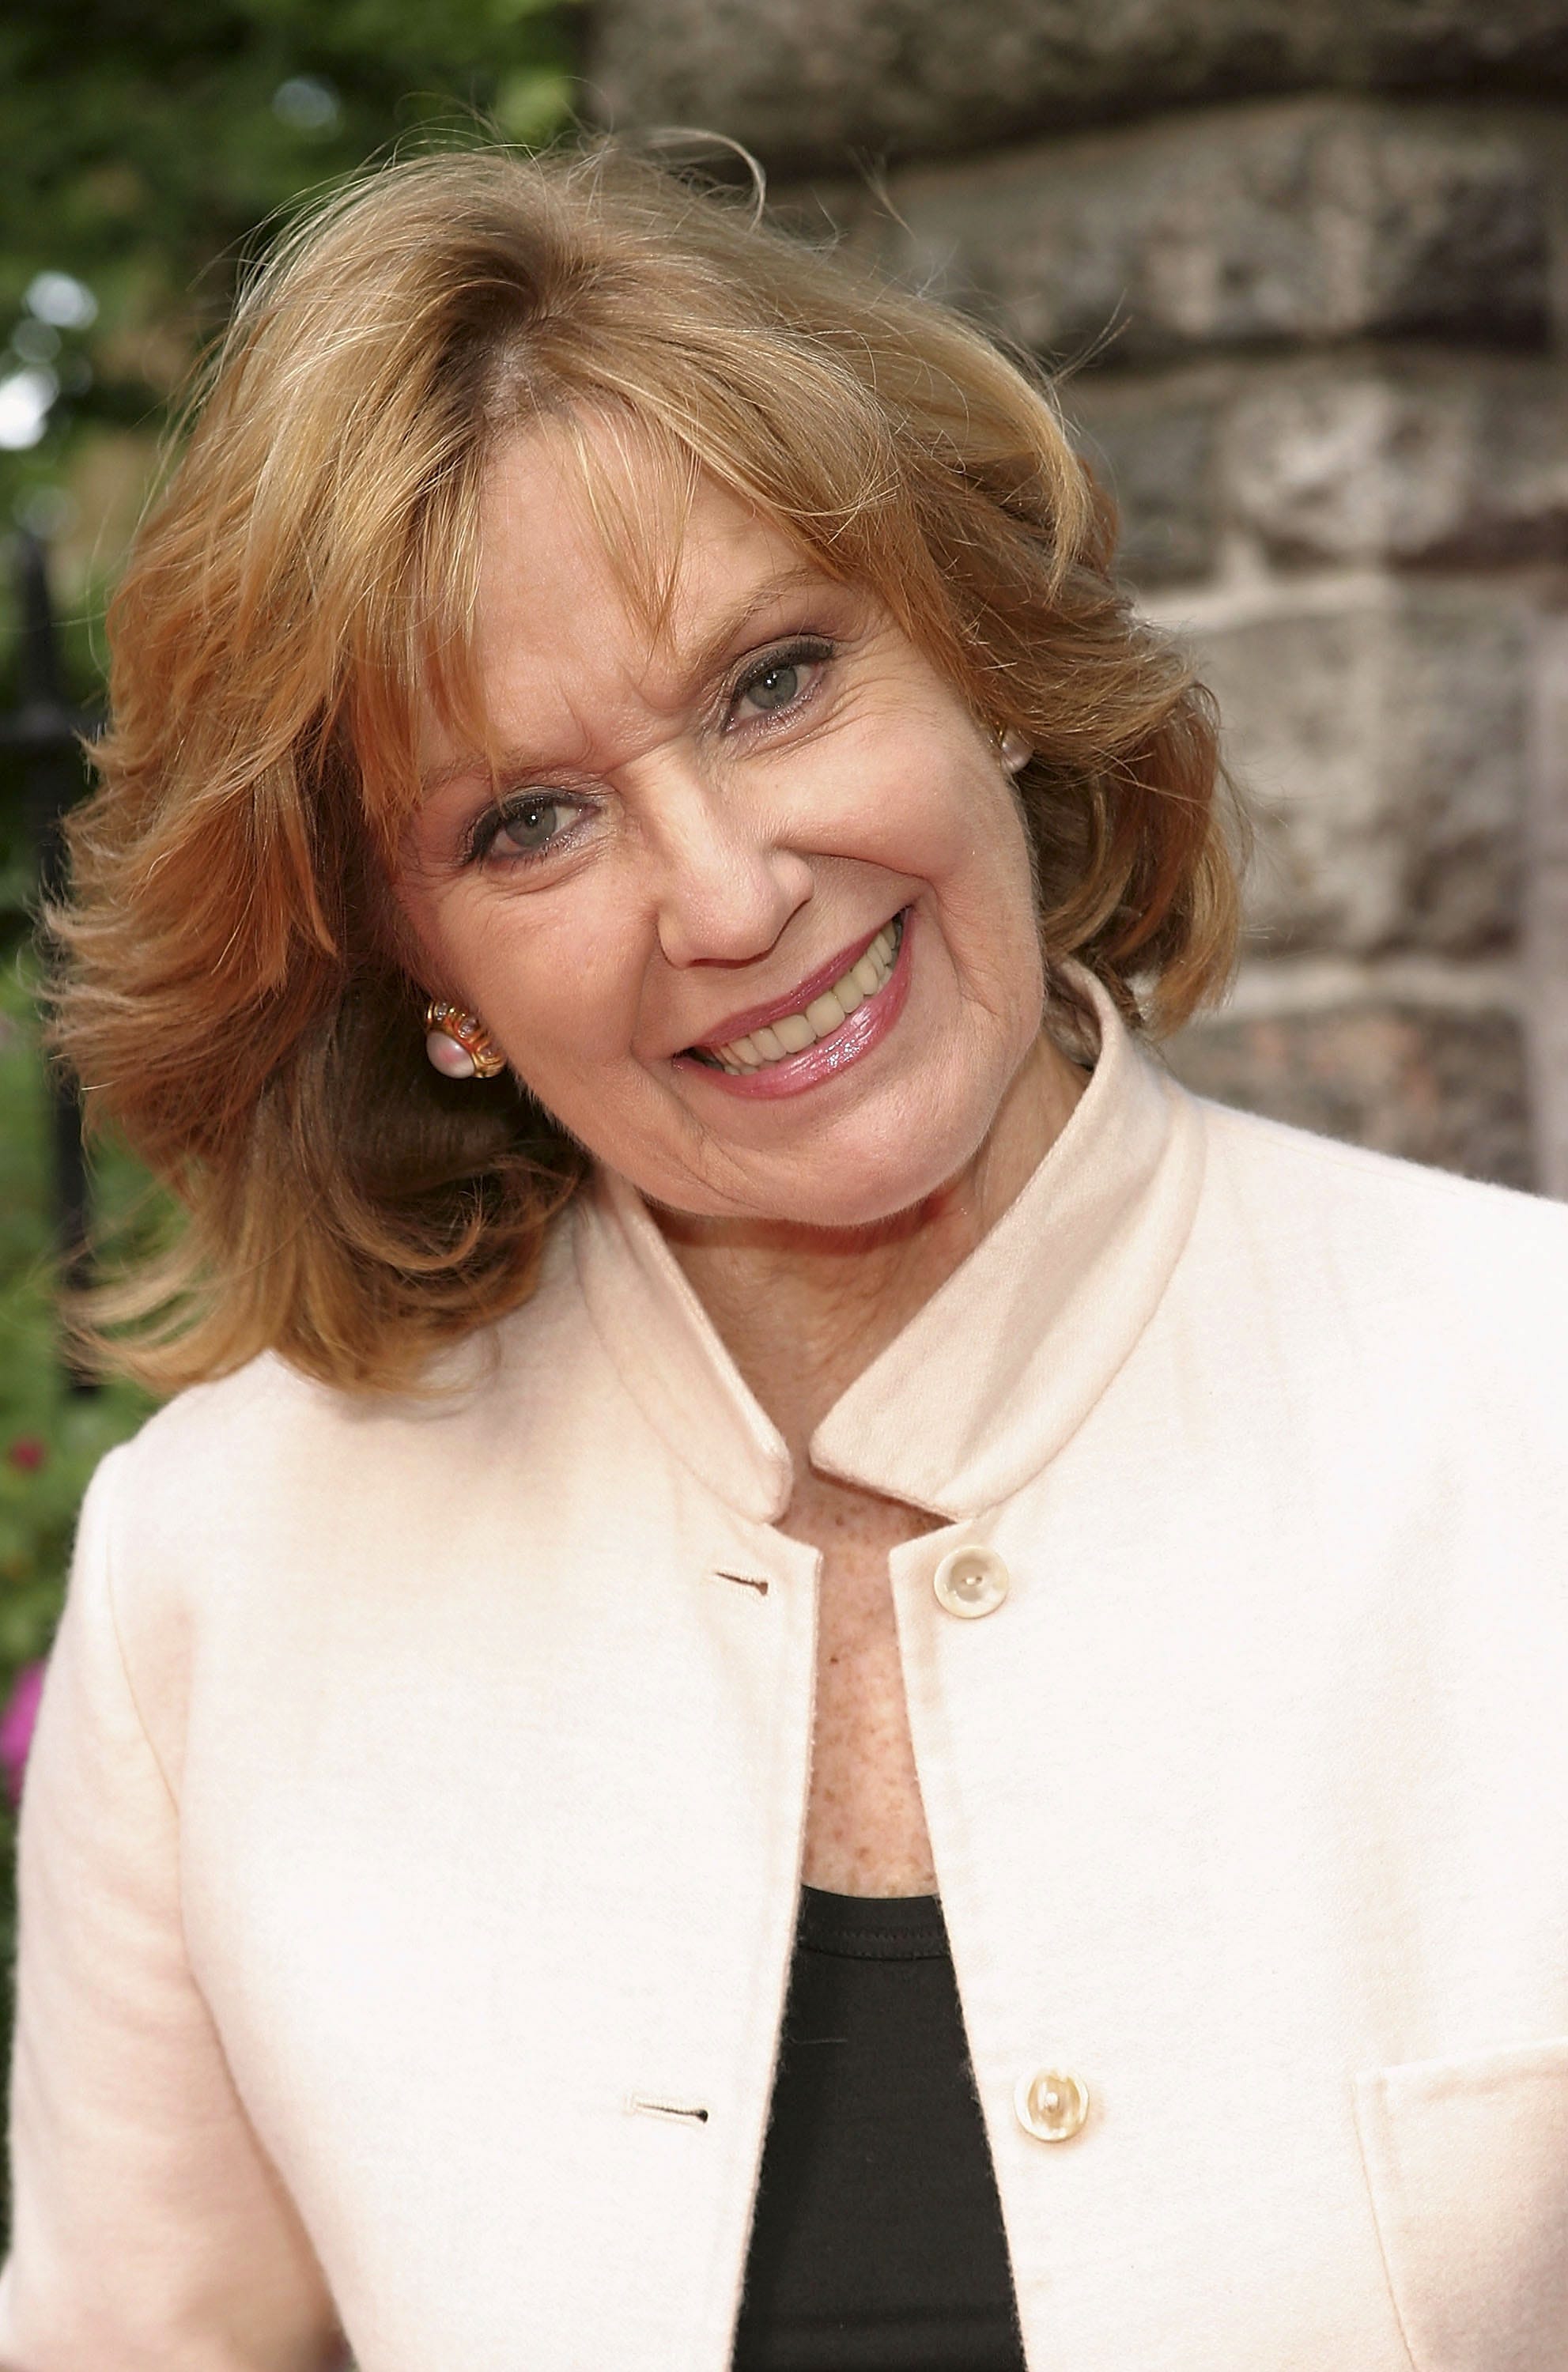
232,994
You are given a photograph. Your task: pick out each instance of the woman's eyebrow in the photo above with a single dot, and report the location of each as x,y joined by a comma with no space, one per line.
716,645
706,655
432,779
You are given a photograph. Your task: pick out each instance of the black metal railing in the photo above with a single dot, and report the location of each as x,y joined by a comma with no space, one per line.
43,734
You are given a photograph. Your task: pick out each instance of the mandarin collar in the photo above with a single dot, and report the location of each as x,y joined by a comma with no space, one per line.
994,1373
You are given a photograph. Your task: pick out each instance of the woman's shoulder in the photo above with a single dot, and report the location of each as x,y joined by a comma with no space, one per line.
1361,1178
214,1432
267,1505
268,1437
1346,1220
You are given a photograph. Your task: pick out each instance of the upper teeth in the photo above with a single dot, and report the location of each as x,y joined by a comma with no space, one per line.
822,1015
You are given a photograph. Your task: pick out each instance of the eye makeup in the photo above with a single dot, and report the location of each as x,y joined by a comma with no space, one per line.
507,814
802,651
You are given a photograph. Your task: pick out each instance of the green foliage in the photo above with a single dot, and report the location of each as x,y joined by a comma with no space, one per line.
50,1437
151,144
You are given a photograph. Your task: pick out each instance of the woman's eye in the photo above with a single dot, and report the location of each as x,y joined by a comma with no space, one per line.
775,690
529,827
780,683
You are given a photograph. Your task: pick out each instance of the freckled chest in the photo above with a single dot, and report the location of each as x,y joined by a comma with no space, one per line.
865,1826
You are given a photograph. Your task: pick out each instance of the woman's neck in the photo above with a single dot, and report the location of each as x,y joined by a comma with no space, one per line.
803,1310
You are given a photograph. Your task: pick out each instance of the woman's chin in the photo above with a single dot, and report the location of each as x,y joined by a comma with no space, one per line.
908,1148
868,1190
911,1138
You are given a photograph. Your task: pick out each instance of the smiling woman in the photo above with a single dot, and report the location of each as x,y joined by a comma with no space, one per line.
820,1680
877,489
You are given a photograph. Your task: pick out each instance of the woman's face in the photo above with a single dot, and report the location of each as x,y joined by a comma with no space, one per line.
752,916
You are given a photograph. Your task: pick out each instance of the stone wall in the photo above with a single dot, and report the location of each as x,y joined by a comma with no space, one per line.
1306,264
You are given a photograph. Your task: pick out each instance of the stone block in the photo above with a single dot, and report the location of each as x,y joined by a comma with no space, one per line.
1544,940
1413,459
1447,1087
1155,440
1381,740
1403,456
1301,222
808,83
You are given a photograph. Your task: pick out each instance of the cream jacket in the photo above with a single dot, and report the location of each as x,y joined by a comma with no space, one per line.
413,1845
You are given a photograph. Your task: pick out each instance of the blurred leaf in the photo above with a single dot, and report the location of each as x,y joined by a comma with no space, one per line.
153,147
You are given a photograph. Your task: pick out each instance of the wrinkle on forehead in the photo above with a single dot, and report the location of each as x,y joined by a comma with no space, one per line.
637,489
641,481
636,494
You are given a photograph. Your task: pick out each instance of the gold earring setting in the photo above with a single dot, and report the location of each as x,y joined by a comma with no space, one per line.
458,1043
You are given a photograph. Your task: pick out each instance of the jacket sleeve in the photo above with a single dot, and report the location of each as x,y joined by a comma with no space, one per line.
150,2234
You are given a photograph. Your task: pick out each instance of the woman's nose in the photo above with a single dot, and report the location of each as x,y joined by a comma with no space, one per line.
728,882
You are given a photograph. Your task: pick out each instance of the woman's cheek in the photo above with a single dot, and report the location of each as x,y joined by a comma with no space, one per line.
567,1010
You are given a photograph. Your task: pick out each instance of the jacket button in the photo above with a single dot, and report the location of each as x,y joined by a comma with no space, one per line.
1051,2105
969,1582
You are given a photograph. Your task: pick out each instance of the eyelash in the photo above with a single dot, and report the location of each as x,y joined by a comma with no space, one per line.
807,650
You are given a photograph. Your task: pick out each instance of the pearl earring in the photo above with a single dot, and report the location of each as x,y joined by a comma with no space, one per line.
458,1043
1015,751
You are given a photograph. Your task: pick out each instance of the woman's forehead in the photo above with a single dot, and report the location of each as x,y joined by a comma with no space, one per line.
606,591
588,553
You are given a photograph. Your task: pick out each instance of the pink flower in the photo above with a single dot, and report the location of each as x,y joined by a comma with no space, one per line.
28,1453
16,1726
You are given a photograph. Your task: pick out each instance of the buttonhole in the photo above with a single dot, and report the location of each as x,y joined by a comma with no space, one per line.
744,1581
644,2106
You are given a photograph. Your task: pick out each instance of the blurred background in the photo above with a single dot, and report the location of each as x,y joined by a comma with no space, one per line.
1302,264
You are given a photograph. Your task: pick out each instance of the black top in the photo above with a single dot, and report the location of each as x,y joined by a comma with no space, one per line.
878,2244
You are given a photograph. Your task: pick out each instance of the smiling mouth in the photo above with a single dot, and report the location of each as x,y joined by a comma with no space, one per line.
793,1033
